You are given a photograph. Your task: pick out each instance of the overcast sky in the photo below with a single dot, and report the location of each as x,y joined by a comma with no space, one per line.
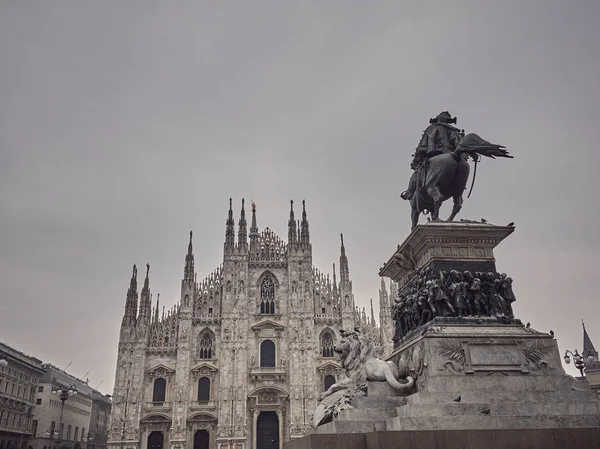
123,125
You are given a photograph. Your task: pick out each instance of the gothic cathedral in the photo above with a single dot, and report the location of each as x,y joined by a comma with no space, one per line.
239,362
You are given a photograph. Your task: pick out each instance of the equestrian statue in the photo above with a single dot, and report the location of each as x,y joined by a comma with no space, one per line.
441,167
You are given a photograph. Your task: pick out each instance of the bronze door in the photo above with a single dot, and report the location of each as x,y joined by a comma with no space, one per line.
201,439
156,440
267,431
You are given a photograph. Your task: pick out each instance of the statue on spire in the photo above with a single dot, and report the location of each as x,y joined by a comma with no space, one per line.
441,169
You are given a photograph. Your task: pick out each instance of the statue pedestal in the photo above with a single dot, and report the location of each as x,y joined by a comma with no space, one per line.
445,246
440,261
482,380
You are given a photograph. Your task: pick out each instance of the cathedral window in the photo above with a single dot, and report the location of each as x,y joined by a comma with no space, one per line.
159,390
206,347
328,382
267,354
228,286
293,286
204,389
267,296
306,287
241,286
327,345
186,300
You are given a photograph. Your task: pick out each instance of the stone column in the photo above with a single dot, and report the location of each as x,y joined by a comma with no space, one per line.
280,418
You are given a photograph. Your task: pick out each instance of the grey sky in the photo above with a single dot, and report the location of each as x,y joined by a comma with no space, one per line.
123,125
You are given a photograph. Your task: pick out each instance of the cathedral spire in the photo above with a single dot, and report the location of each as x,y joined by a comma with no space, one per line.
304,234
242,231
292,224
335,286
372,314
188,272
145,297
131,302
230,231
253,227
156,308
344,270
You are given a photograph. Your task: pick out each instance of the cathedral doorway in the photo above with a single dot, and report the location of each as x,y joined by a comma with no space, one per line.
156,440
201,439
267,431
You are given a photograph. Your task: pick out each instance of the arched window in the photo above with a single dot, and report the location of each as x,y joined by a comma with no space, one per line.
206,348
204,389
267,296
327,345
306,286
159,391
328,382
267,354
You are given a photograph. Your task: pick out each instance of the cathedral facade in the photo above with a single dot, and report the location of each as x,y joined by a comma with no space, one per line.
240,360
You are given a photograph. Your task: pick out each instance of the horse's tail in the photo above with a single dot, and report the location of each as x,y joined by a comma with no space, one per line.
474,145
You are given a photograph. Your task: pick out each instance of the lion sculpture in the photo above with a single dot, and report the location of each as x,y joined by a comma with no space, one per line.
356,354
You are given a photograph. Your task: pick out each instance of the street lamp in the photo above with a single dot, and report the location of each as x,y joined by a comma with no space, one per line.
63,394
3,362
578,360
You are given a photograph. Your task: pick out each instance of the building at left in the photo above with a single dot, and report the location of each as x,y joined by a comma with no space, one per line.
19,378
44,407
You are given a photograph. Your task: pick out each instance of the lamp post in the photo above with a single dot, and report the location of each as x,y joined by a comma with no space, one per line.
3,362
578,360
63,394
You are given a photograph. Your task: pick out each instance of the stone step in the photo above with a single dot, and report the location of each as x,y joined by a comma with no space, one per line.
497,382
461,422
500,409
427,397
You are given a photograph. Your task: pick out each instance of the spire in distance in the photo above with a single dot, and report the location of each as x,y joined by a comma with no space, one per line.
131,302
292,225
188,272
253,227
230,225
242,231
304,233
344,270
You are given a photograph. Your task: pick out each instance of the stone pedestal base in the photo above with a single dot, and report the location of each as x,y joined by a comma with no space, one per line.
477,386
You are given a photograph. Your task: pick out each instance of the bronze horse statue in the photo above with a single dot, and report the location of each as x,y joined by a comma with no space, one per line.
446,175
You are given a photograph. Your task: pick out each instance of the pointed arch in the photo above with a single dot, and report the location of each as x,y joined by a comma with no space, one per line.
206,344
267,287
327,342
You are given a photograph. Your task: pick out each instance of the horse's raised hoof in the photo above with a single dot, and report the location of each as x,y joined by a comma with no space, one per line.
406,195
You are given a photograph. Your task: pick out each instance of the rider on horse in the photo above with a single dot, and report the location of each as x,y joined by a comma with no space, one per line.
439,137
